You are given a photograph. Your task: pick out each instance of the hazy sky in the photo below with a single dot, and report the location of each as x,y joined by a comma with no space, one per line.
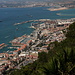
37,0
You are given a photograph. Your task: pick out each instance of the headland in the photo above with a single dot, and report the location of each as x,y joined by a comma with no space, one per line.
57,9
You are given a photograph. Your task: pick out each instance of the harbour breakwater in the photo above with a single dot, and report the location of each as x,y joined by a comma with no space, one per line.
40,20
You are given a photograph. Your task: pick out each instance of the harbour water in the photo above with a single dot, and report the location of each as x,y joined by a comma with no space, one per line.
10,16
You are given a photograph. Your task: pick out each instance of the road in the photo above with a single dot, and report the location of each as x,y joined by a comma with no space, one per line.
25,62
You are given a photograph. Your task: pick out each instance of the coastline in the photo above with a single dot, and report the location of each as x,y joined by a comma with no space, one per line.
28,46
19,29
57,9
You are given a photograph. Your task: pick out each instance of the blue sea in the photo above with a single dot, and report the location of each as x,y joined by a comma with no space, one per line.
10,16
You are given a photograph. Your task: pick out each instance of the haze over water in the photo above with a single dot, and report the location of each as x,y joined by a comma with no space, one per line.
10,16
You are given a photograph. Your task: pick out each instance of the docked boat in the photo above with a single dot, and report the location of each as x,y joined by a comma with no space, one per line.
2,45
29,15
58,13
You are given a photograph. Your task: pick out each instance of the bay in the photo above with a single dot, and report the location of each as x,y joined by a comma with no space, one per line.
10,16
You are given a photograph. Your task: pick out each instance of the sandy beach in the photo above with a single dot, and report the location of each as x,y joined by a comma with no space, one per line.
56,9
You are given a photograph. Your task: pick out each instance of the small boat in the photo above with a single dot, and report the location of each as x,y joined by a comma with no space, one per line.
58,13
16,28
29,15
6,36
0,21
17,23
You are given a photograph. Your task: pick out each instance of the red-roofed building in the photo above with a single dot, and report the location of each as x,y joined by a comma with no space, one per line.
16,44
4,55
29,42
23,47
16,52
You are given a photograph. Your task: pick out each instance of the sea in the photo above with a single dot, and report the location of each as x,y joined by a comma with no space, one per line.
10,16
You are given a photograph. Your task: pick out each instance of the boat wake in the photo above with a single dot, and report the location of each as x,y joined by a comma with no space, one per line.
6,36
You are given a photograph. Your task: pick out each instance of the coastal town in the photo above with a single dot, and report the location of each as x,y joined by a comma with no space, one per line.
27,47
25,4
